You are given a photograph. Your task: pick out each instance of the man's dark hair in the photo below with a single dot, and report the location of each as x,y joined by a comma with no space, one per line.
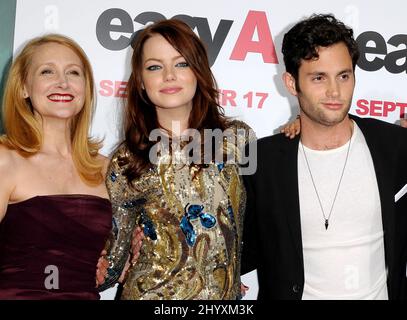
319,30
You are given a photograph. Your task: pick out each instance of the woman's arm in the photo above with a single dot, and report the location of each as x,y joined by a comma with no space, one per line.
7,178
123,223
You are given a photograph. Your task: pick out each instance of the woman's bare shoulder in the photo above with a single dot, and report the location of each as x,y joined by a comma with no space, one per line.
9,158
10,164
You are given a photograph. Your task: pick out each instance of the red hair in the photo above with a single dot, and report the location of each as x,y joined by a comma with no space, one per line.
140,116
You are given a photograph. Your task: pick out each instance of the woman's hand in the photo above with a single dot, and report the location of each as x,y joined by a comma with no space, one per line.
136,242
138,236
292,129
243,289
101,268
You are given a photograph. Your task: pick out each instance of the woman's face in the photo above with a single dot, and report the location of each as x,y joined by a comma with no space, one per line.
55,83
167,78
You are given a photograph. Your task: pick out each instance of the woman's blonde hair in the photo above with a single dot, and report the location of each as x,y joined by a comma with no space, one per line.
24,131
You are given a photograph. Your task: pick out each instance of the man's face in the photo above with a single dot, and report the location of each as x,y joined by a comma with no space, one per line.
325,85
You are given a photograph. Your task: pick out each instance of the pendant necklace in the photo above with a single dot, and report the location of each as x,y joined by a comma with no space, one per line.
326,218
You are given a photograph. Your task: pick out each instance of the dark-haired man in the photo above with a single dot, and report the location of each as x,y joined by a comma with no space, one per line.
322,219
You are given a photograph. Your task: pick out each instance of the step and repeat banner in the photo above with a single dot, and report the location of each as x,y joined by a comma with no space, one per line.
244,44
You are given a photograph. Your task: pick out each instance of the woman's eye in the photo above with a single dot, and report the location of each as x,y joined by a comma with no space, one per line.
153,67
46,71
182,64
74,72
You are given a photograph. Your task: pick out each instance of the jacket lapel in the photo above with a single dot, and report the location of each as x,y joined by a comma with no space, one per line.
385,185
291,205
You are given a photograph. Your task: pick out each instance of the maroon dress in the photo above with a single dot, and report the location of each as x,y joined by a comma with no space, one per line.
50,245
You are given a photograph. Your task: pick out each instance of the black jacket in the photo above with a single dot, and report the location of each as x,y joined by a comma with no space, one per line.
272,230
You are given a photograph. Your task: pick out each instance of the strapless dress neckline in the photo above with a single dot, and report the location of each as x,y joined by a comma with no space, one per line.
53,239
62,196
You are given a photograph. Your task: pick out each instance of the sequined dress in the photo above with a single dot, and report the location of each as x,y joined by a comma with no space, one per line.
192,222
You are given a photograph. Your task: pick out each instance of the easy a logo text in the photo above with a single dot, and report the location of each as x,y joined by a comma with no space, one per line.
119,21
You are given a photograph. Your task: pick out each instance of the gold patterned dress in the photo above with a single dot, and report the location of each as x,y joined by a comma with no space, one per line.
192,221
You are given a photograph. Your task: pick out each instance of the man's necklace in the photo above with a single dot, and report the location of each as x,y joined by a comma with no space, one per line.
326,218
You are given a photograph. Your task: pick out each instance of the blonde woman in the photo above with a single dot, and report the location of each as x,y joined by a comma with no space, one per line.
54,209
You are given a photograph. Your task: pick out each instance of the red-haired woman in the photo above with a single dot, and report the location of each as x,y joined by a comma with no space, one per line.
191,211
